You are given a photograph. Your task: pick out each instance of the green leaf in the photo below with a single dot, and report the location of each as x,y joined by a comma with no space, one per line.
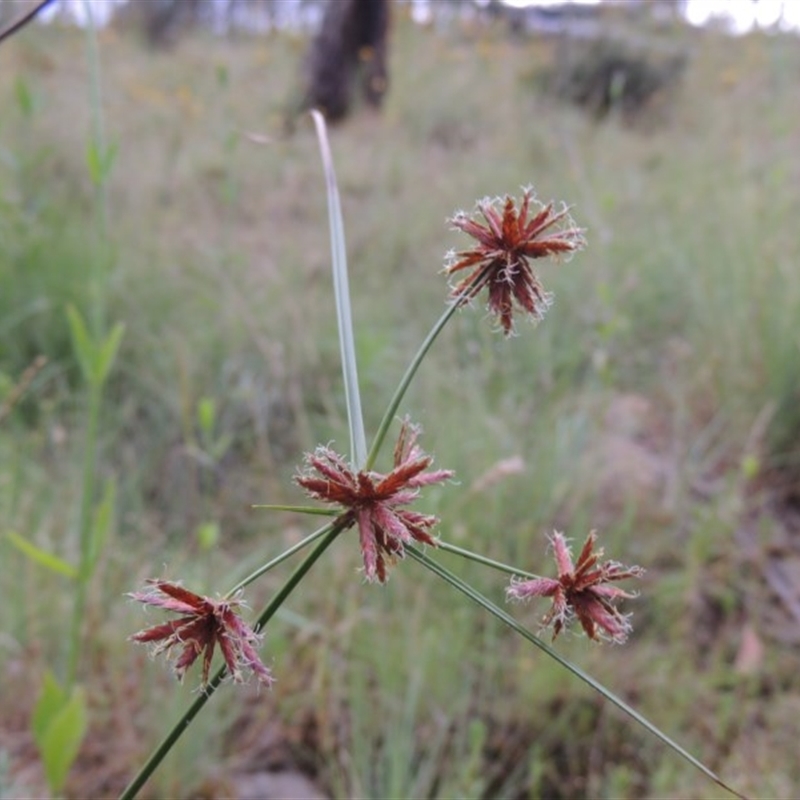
107,353
207,534
52,699
41,557
100,161
82,344
750,467
206,415
101,522
344,317
62,739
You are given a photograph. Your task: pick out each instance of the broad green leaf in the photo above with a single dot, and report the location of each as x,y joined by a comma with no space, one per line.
82,344
41,557
62,739
107,353
52,699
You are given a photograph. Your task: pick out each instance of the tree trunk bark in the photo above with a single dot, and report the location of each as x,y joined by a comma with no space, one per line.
351,44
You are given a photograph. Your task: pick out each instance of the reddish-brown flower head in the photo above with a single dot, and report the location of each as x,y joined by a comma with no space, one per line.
374,501
203,624
500,257
581,590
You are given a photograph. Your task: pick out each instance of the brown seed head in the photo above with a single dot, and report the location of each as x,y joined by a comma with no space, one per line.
581,590
203,624
374,501
504,245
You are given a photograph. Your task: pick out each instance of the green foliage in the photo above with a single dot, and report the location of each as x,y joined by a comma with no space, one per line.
59,724
94,357
43,558
42,270
100,162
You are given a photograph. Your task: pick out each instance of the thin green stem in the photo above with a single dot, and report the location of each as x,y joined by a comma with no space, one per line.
95,393
96,101
479,559
278,560
314,510
84,530
98,139
498,612
183,723
405,381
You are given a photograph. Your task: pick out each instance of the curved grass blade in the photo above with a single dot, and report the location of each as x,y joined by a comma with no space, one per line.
344,317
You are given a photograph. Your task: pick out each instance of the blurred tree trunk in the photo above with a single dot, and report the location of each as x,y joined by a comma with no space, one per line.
162,19
351,43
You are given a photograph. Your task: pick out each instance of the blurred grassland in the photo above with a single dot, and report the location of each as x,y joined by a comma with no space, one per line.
658,401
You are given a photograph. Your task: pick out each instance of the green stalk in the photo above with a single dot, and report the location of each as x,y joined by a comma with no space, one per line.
405,381
85,567
85,530
316,511
279,559
498,612
479,559
269,611
96,103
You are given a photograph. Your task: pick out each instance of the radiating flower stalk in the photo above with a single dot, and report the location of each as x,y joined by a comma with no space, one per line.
508,235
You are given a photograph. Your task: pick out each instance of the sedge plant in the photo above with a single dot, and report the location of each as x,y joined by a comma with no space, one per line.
507,234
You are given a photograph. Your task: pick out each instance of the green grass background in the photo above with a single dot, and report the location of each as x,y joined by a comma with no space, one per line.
658,402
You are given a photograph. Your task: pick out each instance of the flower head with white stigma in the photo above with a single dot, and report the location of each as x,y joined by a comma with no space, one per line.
203,624
505,243
374,501
581,590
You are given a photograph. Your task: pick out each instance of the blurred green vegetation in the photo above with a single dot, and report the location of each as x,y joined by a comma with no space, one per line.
657,401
